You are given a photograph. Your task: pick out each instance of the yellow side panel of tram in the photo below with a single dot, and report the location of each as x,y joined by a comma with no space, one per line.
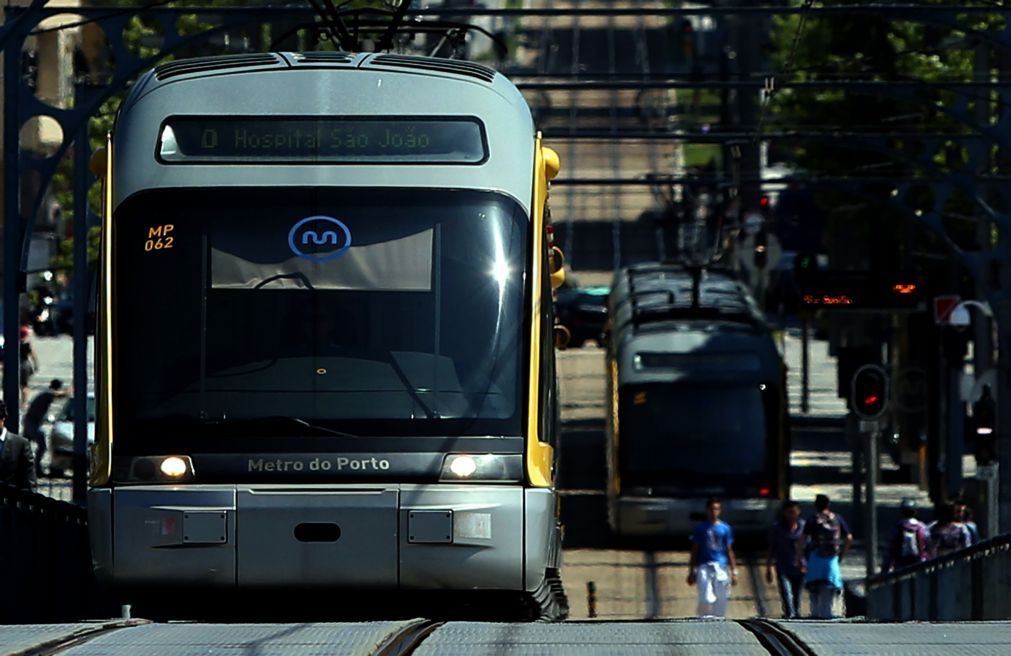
540,455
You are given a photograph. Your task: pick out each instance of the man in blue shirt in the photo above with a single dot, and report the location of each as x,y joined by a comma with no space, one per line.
712,555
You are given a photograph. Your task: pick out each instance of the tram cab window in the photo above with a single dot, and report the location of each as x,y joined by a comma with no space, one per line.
381,311
685,431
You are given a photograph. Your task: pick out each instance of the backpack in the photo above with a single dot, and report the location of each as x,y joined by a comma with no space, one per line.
826,534
910,548
949,538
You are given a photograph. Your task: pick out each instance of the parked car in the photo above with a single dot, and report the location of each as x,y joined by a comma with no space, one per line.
583,311
61,437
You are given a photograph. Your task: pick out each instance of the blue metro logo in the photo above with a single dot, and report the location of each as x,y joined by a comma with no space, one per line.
319,238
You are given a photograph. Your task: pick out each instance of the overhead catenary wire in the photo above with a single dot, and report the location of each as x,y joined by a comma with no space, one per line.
770,88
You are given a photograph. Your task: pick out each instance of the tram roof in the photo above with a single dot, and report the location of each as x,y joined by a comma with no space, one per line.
652,294
326,84
658,335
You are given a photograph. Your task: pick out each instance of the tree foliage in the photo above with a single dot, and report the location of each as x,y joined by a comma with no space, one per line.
874,48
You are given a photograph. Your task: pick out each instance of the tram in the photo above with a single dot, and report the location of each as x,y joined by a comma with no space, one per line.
325,347
696,393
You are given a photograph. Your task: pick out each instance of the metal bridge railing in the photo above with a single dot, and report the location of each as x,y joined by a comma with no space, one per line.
970,584
46,573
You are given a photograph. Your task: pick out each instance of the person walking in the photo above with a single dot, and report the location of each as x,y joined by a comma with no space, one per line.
35,416
963,514
29,361
948,534
910,542
828,540
785,538
17,464
712,565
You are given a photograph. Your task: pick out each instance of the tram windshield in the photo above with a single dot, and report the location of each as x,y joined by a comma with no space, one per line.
369,311
694,433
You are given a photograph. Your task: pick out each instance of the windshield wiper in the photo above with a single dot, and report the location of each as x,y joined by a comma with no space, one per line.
277,419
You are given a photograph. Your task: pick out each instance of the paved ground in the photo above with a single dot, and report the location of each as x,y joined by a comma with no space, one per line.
690,638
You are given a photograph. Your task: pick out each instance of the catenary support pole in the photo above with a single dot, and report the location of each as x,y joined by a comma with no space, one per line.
82,181
805,365
13,226
871,521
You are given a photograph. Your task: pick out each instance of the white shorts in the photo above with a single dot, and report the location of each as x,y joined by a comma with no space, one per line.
713,581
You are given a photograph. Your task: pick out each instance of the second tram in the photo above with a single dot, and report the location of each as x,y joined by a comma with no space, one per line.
697,403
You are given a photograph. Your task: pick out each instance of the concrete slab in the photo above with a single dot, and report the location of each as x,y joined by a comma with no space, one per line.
909,639
591,639
183,639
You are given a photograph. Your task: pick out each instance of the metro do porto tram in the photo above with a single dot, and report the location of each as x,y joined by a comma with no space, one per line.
325,345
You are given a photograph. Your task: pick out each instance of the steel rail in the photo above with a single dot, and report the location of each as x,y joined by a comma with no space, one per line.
775,639
407,639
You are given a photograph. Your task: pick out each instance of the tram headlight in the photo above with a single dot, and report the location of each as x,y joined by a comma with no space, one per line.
463,466
152,469
482,468
174,467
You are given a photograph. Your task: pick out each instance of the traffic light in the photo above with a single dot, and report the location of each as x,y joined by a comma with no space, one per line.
984,425
869,396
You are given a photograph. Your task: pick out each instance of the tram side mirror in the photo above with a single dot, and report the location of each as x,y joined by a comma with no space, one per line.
562,337
552,163
556,265
97,163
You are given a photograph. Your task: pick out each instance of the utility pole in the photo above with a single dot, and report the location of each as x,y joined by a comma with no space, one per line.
81,280
869,398
872,431
982,326
1002,315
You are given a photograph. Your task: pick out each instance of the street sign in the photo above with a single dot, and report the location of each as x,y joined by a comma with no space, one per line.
943,307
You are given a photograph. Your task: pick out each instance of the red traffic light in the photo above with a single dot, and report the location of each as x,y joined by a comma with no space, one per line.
869,396
764,201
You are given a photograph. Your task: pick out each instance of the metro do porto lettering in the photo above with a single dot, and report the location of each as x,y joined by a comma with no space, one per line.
299,139
334,464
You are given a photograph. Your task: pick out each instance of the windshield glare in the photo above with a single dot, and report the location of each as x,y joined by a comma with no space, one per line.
375,311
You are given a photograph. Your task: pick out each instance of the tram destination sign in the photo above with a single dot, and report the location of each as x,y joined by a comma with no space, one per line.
320,139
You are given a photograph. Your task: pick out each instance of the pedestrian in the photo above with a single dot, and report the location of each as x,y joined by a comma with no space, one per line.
29,361
17,464
948,534
712,565
963,513
910,542
828,540
35,416
785,539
